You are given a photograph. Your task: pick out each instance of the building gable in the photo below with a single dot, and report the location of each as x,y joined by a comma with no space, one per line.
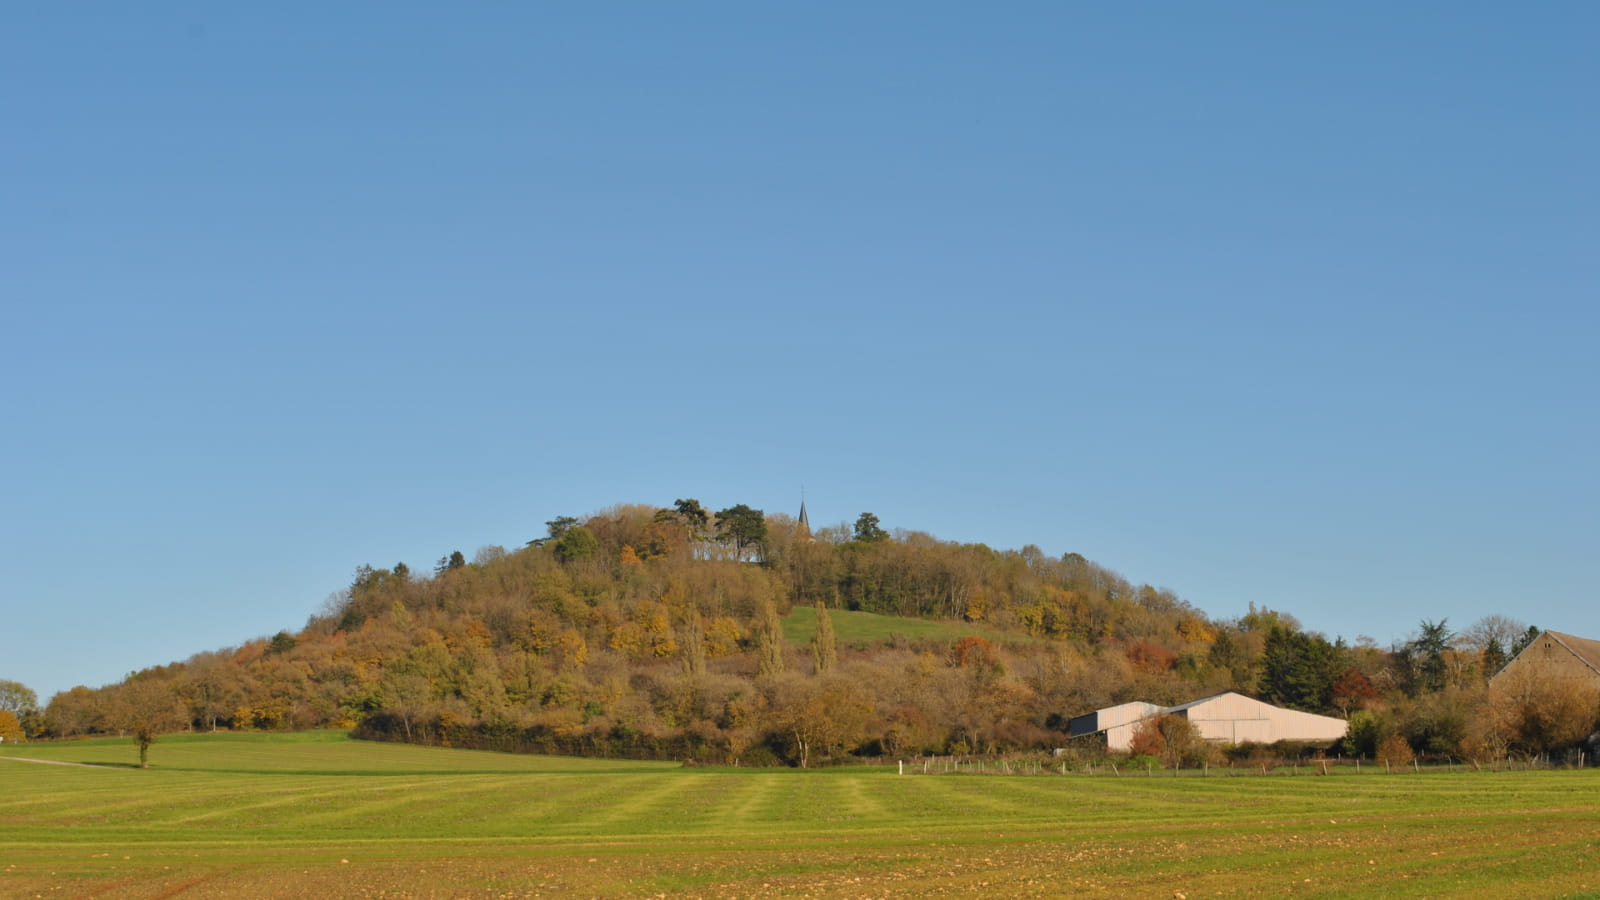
1554,655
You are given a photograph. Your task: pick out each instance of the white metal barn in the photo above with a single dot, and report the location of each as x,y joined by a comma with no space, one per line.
1236,719
1226,719
1116,722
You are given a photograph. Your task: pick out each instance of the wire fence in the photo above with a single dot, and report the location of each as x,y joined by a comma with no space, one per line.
1147,768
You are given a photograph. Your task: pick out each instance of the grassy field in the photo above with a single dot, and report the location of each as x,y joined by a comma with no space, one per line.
864,629
320,815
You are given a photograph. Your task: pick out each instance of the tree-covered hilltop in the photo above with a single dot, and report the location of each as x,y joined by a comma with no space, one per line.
661,632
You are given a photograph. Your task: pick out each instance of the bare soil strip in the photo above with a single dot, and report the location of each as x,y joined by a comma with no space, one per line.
52,762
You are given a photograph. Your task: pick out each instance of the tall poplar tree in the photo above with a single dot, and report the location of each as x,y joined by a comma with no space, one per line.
824,644
769,640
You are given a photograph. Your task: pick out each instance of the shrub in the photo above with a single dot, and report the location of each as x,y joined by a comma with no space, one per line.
10,727
1365,733
1395,750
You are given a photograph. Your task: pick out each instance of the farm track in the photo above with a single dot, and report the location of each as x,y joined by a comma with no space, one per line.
52,762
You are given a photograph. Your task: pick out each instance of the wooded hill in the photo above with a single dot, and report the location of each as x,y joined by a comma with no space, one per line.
740,637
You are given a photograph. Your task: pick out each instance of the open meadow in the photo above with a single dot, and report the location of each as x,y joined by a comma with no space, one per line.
317,814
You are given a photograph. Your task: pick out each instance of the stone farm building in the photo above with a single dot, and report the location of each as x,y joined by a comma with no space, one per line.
1552,656
1228,718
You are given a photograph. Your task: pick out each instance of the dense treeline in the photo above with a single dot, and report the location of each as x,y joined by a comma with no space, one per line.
658,633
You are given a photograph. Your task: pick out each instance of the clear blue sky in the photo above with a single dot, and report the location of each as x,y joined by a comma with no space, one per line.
1285,304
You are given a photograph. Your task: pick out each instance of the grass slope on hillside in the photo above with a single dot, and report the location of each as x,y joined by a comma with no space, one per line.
318,815
863,629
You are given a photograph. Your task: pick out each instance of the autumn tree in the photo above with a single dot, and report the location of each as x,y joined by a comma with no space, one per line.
146,707
211,688
577,543
819,717
1394,750
1440,723
1351,690
693,641
824,645
1544,715
10,728
79,710
691,520
1173,739
976,654
769,640
21,703
723,637
407,694
572,651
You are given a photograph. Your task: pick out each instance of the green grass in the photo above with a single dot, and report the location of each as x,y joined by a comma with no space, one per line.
864,629
320,815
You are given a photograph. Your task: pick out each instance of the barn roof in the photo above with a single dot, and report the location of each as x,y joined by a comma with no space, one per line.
1183,706
1584,649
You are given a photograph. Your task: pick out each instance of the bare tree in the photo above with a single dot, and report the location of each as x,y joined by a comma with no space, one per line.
17,698
1479,634
1492,641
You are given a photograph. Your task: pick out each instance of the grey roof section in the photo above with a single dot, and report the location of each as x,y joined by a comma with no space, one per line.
1090,722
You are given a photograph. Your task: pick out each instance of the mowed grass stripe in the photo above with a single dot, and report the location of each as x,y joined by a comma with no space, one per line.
312,753
679,803
220,807
747,801
243,814
694,801
309,802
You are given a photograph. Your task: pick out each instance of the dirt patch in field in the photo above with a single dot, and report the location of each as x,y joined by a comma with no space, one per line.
1364,862
52,762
